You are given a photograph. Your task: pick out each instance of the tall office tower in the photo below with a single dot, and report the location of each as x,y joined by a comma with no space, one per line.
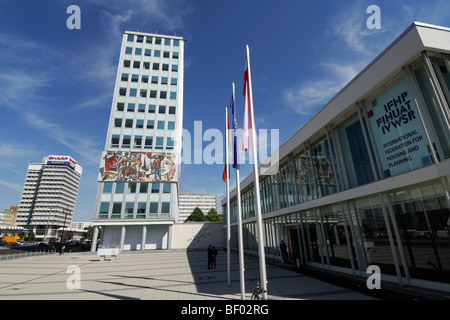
49,196
137,197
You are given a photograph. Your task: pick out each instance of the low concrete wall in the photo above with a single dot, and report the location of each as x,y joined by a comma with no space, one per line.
198,235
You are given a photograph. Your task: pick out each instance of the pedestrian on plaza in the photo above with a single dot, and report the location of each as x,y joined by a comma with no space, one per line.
209,257
214,254
61,251
284,251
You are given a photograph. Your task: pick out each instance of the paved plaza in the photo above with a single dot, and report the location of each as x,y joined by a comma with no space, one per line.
153,275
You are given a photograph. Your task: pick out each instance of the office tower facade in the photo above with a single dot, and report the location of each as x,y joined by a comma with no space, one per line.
190,201
49,196
366,180
137,198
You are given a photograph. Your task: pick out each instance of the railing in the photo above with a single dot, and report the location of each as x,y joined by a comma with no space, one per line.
25,254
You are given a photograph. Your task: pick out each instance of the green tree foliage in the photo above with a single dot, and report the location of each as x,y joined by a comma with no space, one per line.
196,216
213,216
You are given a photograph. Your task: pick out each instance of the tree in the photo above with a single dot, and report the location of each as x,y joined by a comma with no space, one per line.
197,216
212,215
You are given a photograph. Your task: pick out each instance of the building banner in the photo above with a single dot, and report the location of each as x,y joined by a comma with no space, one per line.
137,167
399,136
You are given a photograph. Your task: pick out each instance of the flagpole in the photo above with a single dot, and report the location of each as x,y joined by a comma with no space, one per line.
227,168
262,257
240,235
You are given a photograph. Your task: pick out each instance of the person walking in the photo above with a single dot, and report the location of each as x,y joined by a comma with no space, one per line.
284,251
214,257
209,257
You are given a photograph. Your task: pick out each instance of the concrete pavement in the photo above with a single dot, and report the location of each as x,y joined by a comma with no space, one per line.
153,275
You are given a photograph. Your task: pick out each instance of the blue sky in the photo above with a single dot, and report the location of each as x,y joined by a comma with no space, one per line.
56,84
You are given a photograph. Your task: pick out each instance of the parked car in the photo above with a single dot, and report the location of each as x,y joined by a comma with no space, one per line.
43,244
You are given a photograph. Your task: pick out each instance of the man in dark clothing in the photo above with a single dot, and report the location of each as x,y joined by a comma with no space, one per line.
210,252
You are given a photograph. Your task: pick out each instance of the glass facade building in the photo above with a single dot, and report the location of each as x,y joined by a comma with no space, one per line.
137,197
366,180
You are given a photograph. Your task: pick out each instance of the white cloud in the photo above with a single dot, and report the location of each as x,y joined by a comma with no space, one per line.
308,96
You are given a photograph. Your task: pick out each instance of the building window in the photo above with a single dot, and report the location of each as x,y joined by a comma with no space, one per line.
150,124
117,208
148,142
147,52
120,106
149,39
136,64
129,209
117,123
104,209
143,187
175,55
142,206
156,66
167,187
129,123
143,93
134,78
126,63
126,143
151,107
133,92
170,143
157,40
115,141
154,79
175,68
131,187
140,39
173,95
164,80
172,110
144,79
155,187
163,94
165,67
176,43
128,50
147,65
161,125
157,53
130,38
165,207
167,42
162,109
124,77
140,124
141,108
131,107
138,51
153,93
137,142
166,54
123,91
159,142
173,81
154,208
107,187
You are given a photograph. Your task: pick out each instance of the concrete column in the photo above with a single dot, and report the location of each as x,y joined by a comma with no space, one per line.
169,237
94,240
144,237
122,238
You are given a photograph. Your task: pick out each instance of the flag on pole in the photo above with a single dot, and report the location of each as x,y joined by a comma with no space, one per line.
227,140
235,126
246,139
